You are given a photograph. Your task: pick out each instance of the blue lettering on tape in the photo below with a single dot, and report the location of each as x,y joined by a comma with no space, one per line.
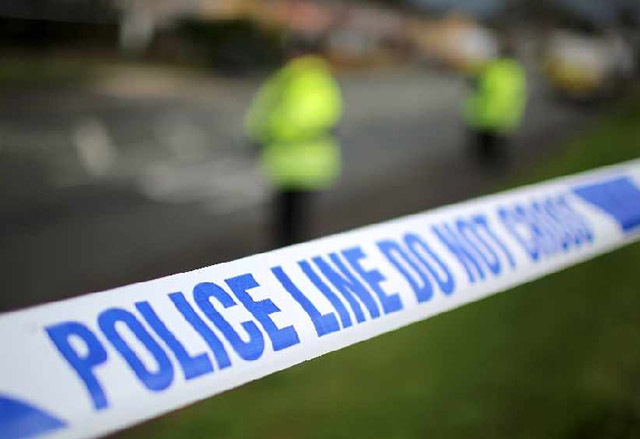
546,228
399,258
249,350
207,334
462,249
515,221
192,366
19,420
324,323
61,335
281,338
482,227
429,260
353,291
476,246
419,265
619,198
114,318
337,304
390,302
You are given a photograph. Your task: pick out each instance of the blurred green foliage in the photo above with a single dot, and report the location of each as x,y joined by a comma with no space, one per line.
556,358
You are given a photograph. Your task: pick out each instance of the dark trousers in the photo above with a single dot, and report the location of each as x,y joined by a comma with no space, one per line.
291,216
490,147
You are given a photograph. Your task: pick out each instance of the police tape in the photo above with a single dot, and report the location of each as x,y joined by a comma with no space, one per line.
88,366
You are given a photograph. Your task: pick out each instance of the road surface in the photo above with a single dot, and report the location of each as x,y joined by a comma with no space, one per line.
141,175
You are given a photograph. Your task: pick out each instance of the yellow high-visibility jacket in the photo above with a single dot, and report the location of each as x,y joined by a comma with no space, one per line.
293,118
500,97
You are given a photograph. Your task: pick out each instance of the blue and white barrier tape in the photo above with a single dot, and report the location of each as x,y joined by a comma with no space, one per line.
88,366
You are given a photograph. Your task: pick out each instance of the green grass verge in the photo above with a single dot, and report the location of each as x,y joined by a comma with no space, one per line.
30,70
557,358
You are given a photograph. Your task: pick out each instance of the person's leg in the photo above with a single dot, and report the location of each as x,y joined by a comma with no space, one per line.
492,148
300,215
283,220
486,145
292,216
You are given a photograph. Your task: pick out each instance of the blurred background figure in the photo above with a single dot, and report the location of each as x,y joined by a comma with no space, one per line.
121,160
125,118
496,105
293,120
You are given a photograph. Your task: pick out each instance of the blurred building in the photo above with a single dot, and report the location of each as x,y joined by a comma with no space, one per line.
368,34
454,41
351,32
236,9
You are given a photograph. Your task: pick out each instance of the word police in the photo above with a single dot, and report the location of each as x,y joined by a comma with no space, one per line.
352,292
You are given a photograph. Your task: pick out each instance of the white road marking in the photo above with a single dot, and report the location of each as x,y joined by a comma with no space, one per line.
224,185
186,140
94,147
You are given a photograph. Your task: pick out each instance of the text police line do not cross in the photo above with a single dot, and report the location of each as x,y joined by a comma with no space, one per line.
129,354
354,294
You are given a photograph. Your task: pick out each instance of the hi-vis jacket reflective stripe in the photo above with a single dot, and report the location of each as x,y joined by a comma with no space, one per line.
293,117
500,97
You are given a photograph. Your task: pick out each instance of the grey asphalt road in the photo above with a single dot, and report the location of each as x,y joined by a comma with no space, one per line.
129,180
